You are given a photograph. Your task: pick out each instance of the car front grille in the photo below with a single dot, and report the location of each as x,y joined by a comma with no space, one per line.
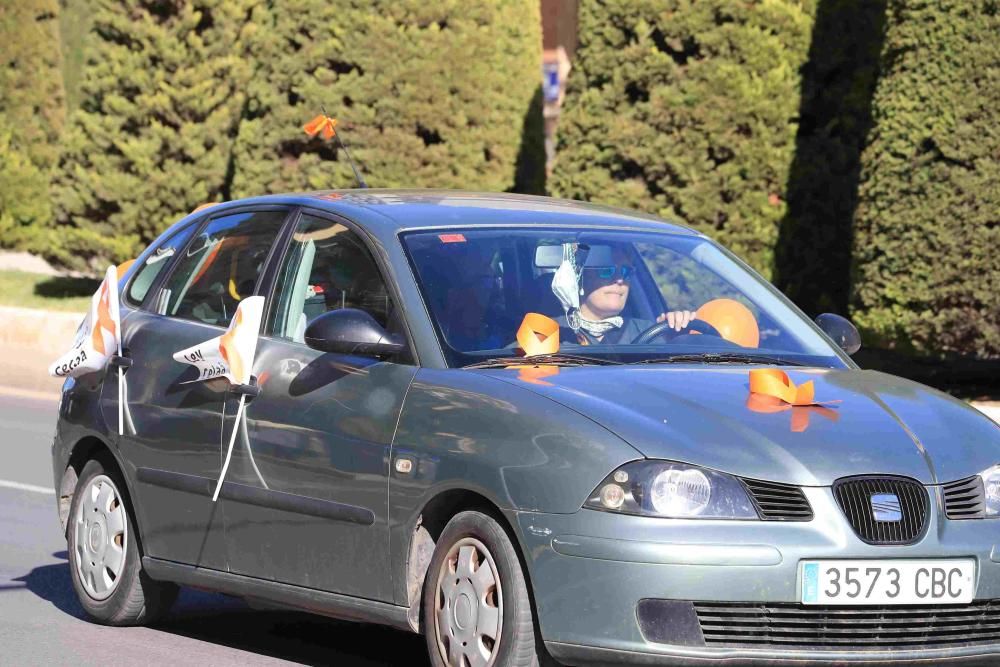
855,497
778,502
965,499
790,625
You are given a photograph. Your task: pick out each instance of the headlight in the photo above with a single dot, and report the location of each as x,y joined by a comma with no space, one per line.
677,490
991,492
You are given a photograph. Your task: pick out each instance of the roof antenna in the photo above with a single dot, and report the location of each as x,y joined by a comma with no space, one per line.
325,125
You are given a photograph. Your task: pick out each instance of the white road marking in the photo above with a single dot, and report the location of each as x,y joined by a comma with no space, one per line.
34,488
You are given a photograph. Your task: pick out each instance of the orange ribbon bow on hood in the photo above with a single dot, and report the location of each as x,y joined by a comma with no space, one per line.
772,390
323,124
772,382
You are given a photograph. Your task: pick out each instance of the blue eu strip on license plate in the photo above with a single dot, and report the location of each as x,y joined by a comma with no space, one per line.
810,582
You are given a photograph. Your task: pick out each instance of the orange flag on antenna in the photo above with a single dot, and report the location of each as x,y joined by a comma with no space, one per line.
321,124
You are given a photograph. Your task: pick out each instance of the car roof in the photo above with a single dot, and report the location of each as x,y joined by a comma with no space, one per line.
389,211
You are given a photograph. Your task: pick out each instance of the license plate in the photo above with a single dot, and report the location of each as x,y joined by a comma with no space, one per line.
888,582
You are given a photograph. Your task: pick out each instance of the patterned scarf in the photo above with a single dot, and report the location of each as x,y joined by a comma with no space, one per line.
600,327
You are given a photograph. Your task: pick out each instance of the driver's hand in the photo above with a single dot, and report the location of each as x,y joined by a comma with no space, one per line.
677,319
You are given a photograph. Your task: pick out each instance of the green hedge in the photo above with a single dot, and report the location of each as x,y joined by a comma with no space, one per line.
428,94
162,93
191,102
927,235
686,109
32,110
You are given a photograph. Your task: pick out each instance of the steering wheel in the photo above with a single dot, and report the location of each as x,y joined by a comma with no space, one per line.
660,328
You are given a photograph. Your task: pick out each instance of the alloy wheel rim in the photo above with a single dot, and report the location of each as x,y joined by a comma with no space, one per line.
101,531
468,606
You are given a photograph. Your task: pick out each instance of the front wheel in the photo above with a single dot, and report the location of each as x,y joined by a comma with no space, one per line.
476,605
104,557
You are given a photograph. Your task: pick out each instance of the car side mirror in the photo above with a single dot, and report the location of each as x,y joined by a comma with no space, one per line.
841,330
351,331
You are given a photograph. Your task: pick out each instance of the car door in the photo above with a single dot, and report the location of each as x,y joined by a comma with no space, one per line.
175,448
310,507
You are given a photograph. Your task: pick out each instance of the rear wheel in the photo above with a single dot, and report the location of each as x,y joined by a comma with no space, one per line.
104,555
476,605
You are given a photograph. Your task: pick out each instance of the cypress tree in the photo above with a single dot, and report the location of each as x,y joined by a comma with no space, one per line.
926,275
163,90
32,111
427,95
686,109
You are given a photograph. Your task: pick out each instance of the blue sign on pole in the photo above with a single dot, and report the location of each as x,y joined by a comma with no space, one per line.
550,82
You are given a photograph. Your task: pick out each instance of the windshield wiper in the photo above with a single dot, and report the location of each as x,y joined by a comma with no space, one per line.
723,358
543,359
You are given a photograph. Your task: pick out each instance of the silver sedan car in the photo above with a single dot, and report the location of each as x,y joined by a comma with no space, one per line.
531,430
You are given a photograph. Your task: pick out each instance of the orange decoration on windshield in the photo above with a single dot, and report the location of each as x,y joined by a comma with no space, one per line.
321,124
734,321
538,334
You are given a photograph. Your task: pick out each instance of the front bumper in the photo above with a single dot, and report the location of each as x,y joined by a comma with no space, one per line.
589,570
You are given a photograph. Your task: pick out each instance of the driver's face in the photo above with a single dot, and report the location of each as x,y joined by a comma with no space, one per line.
606,297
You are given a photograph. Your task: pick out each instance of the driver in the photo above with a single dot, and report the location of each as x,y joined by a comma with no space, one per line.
603,295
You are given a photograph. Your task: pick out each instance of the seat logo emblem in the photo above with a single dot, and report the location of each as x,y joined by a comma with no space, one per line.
886,507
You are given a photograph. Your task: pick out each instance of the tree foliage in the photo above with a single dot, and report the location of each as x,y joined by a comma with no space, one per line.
197,101
163,91
813,253
32,111
926,265
686,109
428,94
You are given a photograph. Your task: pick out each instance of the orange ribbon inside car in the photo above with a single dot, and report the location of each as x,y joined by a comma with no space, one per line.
538,334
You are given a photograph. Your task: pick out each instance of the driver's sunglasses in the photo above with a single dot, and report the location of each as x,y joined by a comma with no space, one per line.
611,272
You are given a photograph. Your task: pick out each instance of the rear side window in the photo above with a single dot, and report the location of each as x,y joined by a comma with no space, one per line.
220,267
156,262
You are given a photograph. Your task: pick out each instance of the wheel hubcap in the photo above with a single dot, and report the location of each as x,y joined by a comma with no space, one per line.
101,537
469,606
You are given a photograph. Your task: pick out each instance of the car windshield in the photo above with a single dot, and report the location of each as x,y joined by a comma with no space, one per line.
607,290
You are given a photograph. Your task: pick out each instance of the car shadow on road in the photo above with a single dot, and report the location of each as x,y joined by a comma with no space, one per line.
226,621
52,583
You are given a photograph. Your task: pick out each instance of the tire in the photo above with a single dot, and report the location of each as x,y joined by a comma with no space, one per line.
104,559
461,612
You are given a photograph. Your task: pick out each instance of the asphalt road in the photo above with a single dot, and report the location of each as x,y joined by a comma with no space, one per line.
41,622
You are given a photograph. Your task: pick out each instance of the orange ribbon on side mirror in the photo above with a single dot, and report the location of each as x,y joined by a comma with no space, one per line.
538,334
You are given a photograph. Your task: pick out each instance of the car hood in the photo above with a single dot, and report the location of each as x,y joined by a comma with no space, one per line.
882,424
